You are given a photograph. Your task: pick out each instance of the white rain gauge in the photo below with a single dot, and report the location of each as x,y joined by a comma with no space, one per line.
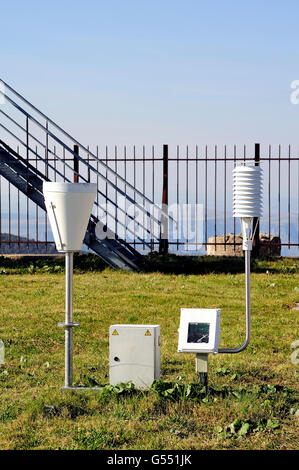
199,330
69,206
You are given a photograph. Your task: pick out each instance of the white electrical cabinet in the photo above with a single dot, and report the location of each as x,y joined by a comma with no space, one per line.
134,354
199,330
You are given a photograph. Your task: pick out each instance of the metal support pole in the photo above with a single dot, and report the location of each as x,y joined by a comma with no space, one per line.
68,319
164,243
247,294
76,164
256,223
201,366
69,324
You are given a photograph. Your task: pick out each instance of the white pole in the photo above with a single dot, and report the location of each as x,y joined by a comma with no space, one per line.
248,206
247,301
247,293
69,256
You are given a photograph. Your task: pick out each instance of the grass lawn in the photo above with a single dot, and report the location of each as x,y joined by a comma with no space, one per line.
254,394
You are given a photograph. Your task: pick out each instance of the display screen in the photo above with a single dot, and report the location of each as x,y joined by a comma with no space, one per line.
198,333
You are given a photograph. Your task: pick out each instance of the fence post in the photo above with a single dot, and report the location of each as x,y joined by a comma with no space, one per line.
76,164
163,245
256,240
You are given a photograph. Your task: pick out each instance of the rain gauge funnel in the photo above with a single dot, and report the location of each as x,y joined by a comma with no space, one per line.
69,206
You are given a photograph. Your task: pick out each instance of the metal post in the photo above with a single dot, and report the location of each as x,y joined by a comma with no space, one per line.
47,150
76,164
163,245
256,223
27,140
68,325
247,295
201,366
69,319
27,198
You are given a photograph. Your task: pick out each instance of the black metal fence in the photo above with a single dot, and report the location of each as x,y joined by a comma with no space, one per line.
195,183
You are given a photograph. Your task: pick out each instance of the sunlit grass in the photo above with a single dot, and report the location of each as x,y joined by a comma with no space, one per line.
36,414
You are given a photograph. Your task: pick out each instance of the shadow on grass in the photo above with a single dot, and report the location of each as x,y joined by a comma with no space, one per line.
52,264
154,262
173,264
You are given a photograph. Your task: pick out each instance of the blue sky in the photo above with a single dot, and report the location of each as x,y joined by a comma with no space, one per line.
177,72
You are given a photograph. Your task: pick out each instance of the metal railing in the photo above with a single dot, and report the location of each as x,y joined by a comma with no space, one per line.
39,139
194,183
201,181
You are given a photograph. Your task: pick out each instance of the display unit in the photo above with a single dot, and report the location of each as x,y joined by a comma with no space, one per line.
199,330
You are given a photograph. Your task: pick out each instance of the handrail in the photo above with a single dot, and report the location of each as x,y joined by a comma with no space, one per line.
80,146
37,141
31,150
23,160
95,203
69,167
114,186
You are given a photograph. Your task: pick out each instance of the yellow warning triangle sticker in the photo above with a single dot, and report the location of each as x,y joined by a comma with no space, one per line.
148,333
115,333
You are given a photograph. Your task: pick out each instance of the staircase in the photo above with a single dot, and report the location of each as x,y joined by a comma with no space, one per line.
37,137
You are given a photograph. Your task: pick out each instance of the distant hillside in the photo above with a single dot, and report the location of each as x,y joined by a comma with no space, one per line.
23,248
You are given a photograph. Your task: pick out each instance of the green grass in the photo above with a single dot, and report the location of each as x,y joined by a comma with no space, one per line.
254,395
